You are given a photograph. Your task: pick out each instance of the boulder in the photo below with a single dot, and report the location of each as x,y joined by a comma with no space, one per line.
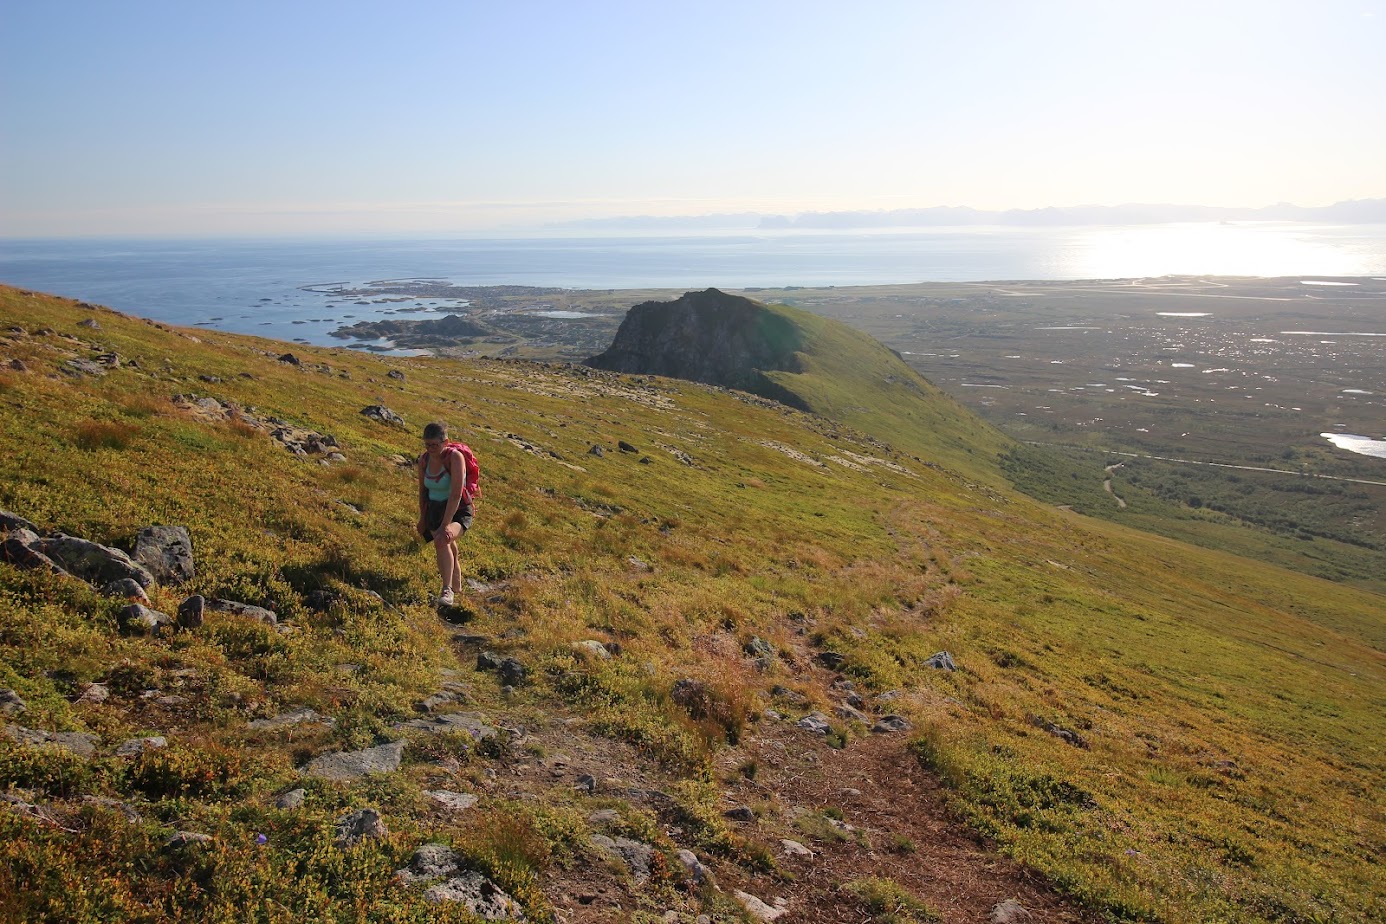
360,825
832,660
890,724
479,895
291,359
20,549
430,861
10,703
741,813
94,563
167,552
696,871
383,414
513,673
94,693
290,800
190,612
625,447
757,909
127,589
815,722
134,747
138,619
12,521
472,723
592,647
795,849
456,801
235,608
635,855
285,720
79,743
942,661
1009,911
758,647
850,714
351,765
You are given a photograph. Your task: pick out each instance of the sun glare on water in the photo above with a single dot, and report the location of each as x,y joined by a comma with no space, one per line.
1214,249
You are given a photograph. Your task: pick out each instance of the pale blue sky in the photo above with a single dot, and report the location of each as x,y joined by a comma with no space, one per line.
309,117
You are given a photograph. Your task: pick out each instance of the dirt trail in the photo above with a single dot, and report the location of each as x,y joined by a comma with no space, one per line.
1107,484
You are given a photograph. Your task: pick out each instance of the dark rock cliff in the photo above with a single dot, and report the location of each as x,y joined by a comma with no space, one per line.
709,337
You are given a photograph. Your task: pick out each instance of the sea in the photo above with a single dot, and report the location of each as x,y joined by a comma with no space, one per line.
270,287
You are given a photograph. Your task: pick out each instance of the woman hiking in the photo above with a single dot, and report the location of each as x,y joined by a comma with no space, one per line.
445,510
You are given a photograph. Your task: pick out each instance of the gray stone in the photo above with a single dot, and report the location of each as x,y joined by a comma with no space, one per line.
758,909
697,872
815,722
92,562
596,451
20,549
127,589
625,447
383,414
187,839
513,673
134,747
167,552
457,801
788,695
430,861
481,896
635,855
79,743
741,813
832,660
291,359
891,723
586,783
396,375
488,661
794,849
138,619
90,323
82,367
758,647
592,647
10,703
846,712
191,612
12,521
1009,911
290,800
942,661
360,825
438,701
285,720
604,817
351,765
472,723
235,608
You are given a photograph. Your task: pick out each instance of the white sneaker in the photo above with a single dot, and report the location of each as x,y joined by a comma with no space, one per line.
445,598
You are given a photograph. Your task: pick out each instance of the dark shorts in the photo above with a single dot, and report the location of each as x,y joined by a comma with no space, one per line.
436,509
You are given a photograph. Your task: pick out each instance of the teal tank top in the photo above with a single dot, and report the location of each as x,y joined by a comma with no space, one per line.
439,486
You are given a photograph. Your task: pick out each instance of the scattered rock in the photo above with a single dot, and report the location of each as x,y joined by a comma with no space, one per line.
430,861
758,647
481,896
383,414
758,909
167,552
604,817
285,720
625,447
891,723
596,451
457,801
832,660
513,673
93,563
94,693
190,612
89,323
488,661
360,825
815,722
291,359
10,703
741,813
794,849
942,661
396,375
236,608
82,367
788,695
1009,911
17,365
592,647
638,565
1058,731
138,619
850,714
187,839
12,521
586,783
20,549
137,746
350,765
473,723
290,800
126,589
697,872
635,855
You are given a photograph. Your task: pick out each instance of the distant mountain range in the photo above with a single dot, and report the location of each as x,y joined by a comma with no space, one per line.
1352,211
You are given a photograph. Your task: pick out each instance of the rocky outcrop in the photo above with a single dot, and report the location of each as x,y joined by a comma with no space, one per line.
708,337
351,765
166,551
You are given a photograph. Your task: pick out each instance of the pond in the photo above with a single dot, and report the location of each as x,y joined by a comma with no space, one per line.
1363,445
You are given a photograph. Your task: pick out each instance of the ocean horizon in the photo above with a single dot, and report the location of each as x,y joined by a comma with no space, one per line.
263,286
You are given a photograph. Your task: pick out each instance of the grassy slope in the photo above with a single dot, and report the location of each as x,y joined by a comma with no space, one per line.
1231,711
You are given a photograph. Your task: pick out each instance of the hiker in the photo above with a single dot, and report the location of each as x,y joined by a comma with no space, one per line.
445,510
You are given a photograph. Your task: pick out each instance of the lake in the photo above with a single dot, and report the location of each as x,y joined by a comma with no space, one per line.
258,286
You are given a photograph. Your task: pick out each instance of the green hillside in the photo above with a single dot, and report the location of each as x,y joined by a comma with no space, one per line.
1152,731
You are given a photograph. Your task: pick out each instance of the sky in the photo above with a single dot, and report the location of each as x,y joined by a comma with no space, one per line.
459,117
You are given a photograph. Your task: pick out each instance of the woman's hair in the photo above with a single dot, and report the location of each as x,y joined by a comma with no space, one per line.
436,431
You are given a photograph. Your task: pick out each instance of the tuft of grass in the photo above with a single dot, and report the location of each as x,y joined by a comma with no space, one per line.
885,901
92,435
